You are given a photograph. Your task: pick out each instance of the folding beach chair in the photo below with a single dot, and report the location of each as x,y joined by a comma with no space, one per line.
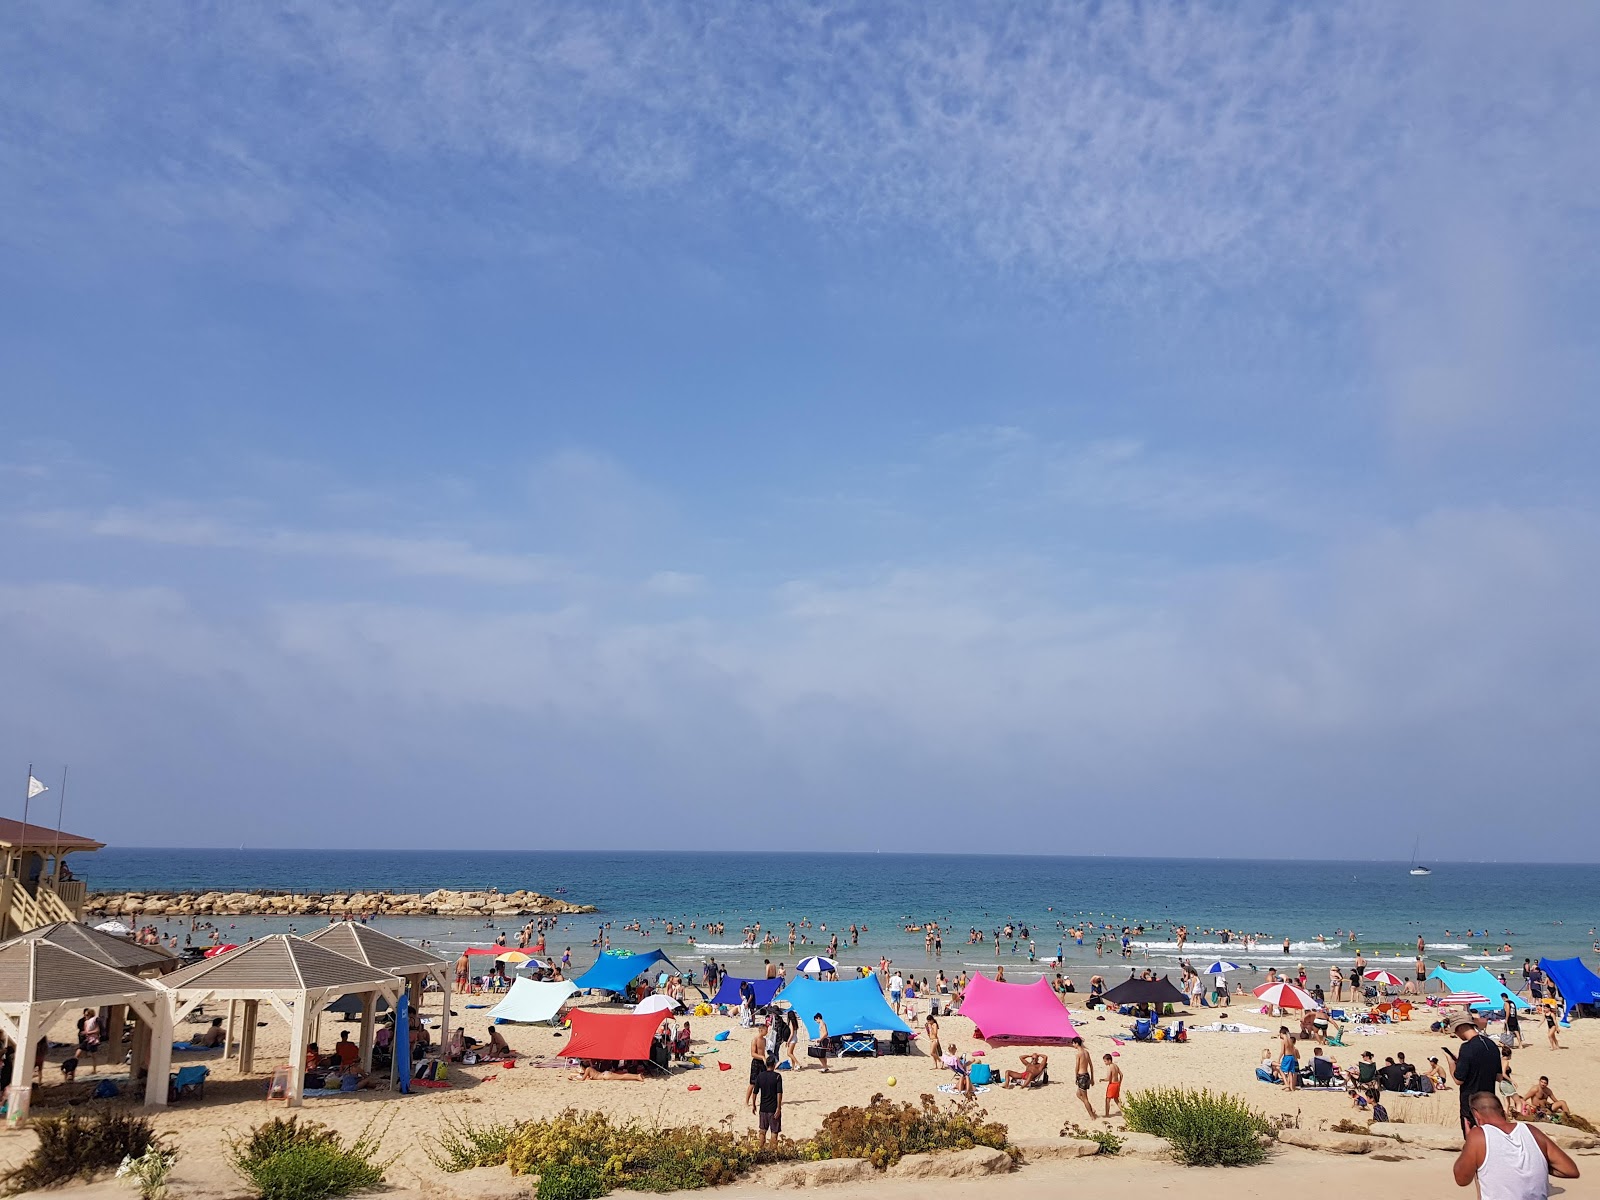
188,1082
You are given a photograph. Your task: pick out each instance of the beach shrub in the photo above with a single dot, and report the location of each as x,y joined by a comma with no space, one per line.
284,1159
883,1132
72,1148
149,1171
1108,1142
633,1155
563,1181
1206,1129
650,1158
461,1144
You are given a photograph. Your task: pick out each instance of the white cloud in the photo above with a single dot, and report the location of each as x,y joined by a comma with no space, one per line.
674,583
423,556
1455,653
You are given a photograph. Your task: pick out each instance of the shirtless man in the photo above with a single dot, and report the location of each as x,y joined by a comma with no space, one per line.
1542,1100
1033,1066
1083,1075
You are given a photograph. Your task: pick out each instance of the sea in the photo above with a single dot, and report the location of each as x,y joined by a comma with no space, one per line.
1467,913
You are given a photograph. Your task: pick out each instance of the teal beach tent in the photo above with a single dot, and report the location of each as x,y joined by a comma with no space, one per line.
614,972
1480,981
848,1006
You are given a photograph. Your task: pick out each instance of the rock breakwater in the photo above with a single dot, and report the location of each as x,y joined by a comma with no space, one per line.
441,902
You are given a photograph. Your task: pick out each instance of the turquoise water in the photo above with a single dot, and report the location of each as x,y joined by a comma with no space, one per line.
1551,910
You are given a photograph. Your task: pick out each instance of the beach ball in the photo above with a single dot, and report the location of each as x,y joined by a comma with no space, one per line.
891,1081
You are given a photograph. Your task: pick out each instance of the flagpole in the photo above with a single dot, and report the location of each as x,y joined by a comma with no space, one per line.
27,799
61,810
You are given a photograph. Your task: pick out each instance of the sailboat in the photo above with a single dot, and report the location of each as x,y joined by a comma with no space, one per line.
1416,867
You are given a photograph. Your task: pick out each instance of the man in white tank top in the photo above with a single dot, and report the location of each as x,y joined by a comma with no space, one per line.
1510,1160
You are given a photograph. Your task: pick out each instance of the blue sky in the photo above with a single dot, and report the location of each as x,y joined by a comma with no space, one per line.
708,426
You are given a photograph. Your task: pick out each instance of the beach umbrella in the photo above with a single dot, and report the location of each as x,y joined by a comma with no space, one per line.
350,1006
512,956
115,928
216,950
1464,998
1220,967
1387,978
816,965
1286,995
656,1003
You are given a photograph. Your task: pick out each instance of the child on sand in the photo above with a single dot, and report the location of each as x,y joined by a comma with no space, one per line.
1113,1085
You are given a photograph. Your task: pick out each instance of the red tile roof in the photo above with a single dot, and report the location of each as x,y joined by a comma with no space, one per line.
15,833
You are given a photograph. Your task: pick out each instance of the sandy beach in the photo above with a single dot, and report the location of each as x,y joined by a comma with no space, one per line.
536,1086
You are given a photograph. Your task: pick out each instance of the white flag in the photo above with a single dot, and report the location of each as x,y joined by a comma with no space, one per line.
35,787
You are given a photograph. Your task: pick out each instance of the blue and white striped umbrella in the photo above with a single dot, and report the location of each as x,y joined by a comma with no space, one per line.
816,965
1221,968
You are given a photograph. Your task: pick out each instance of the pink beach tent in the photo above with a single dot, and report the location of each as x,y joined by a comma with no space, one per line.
1024,1013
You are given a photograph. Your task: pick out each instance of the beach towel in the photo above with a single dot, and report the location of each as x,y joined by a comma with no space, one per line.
1231,1027
951,1089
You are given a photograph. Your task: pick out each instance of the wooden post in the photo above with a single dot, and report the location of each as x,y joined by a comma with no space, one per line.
444,1021
158,1080
247,1037
299,1035
22,1078
369,1012
230,1044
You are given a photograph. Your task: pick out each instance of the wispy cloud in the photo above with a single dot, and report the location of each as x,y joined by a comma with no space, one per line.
1062,140
404,555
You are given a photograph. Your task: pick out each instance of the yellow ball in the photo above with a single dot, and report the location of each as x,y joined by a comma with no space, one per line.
891,1081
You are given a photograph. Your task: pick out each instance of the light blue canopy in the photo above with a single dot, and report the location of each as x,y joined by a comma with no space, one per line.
1578,984
1481,981
848,1006
614,972
765,990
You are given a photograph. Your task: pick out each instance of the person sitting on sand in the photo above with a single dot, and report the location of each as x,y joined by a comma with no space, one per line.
956,1062
212,1037
1435,1075
1033,1066
353,1079
1541,1101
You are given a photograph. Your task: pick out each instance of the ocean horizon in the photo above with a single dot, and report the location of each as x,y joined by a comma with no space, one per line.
1466,912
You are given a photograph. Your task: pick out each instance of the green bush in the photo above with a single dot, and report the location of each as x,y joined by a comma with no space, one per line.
461,1145
883,1132
655,1159
285,1160
1108,1142
631,1155
72,1148
1206,1129
561,1181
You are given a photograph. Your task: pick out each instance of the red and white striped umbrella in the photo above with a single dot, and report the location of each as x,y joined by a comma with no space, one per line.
223,949
1286,995
1387,978
1464,998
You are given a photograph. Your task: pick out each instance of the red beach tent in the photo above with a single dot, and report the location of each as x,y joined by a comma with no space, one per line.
624,1036
1017,1012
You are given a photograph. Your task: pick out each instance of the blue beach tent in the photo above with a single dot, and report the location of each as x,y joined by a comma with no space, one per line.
1481,981
1578,984
848,1006
614,972
765,990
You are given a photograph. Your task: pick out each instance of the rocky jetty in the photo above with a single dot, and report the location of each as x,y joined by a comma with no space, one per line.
442,902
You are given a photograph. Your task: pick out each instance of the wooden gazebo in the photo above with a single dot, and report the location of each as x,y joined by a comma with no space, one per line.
294,976
386,953
40,980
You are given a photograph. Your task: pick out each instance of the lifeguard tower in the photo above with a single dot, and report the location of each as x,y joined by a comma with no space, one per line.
37,887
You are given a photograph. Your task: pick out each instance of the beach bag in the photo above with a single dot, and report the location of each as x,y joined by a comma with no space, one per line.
979,1074
899,1042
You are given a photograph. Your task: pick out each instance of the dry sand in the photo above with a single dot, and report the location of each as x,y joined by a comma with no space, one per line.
493,1092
